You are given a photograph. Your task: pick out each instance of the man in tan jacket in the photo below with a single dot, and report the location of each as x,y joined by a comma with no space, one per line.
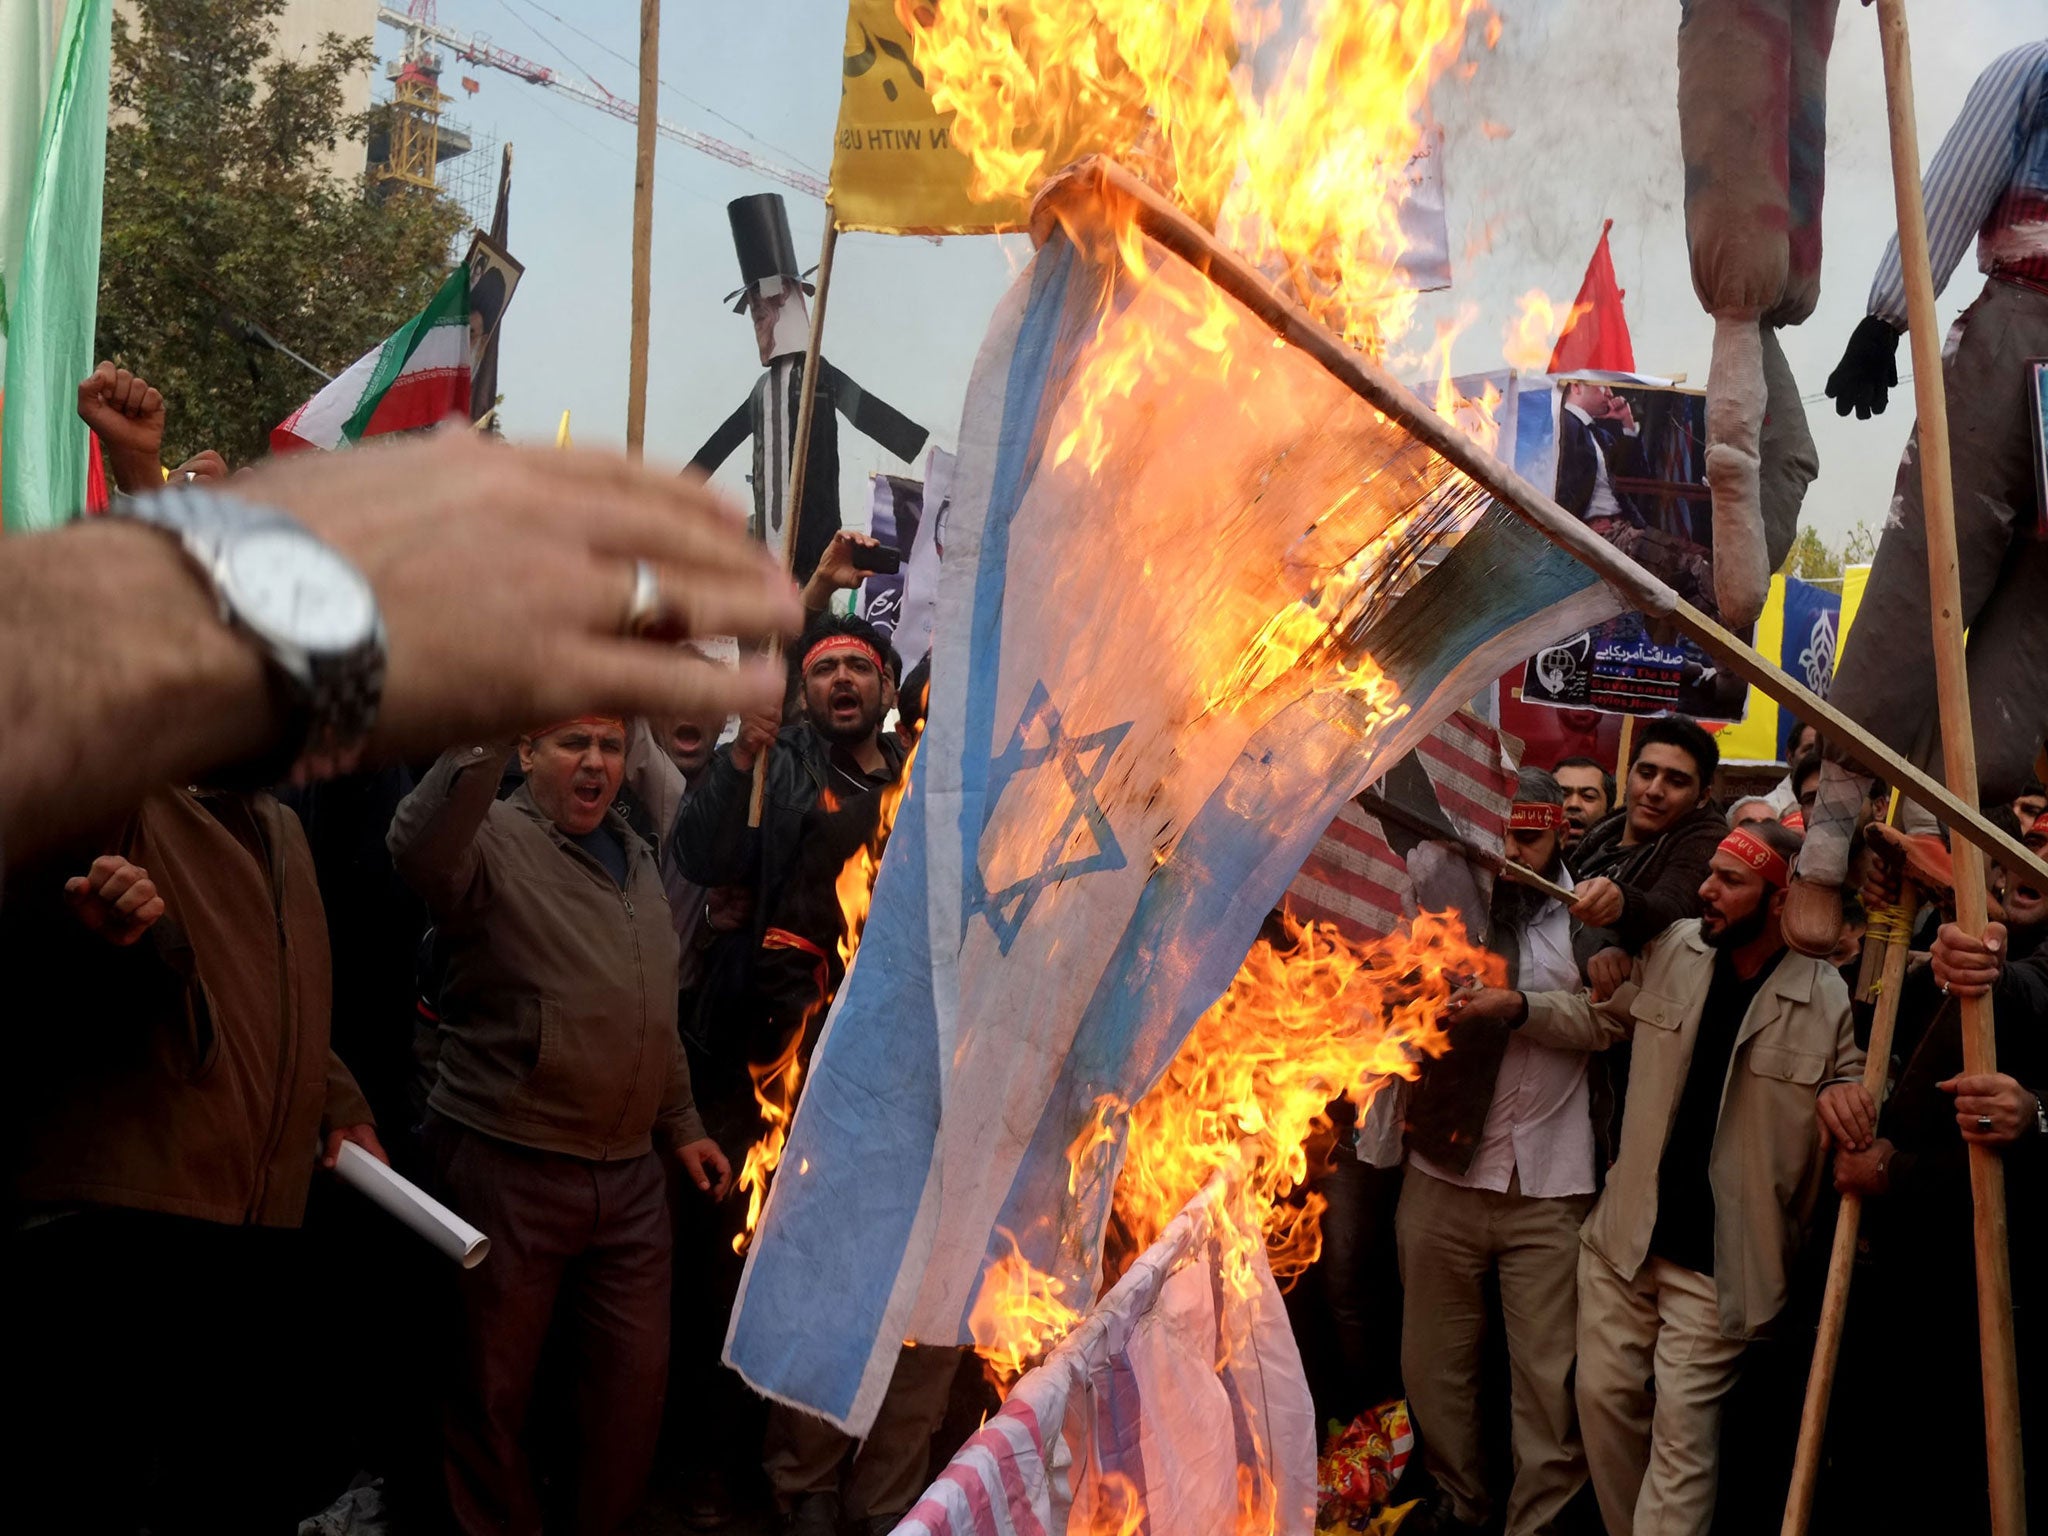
1685,1255
560,1075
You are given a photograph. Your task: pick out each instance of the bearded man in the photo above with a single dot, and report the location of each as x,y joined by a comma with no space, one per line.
1500,1177
774,976
1685,1256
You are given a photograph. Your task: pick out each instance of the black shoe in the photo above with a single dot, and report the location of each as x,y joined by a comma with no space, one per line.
815,1514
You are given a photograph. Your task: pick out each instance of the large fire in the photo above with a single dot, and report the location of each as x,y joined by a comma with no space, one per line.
1299,161
1308,1020
1298,158
1313,1018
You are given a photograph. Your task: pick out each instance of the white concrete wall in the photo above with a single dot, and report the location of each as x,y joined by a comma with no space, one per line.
300,27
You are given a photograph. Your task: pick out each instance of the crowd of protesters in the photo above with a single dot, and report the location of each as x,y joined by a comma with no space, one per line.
547,973
1604,1228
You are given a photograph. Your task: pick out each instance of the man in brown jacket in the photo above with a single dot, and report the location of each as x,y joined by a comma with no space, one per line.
1684,1257
162,1118
560,1073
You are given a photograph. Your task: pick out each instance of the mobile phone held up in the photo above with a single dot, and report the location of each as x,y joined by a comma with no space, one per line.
876,558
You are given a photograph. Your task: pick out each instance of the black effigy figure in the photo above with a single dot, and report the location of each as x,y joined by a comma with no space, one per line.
772,293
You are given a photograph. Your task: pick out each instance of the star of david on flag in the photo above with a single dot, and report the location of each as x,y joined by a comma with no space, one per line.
1083,840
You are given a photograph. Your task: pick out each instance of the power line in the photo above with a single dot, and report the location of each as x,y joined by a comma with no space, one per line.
605,47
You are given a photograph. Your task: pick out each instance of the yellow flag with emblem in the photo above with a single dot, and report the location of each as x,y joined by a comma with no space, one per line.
894,167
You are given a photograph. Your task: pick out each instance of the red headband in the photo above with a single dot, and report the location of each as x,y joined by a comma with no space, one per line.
832,645
563,725
1753,852
1795,819
1535,816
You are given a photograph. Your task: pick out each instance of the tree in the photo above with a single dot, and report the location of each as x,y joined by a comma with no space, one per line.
1813,559
222,214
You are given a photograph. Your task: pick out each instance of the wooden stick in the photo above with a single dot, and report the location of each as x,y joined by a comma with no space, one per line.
643,224
1374,804
800,459
1959,764
1628,739
1091,187
1834,1307
1870,968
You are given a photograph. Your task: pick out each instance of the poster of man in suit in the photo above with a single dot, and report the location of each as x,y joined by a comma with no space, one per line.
1631,462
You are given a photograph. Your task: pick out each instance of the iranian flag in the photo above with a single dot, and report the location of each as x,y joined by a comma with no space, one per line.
418,378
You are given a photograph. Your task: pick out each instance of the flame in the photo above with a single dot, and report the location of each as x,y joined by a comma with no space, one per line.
1308,1020
775,1090
1019,1313
1305,176
1532,335
776,1085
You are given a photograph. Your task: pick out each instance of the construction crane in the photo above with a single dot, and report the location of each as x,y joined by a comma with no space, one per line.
416,100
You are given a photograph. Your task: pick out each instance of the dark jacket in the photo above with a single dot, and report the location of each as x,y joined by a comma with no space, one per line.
558,1003
188,1073
1660,880
1924,1220
792,888
1577,444
1447,1111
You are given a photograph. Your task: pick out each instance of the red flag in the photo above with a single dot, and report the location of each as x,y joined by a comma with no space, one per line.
1596,336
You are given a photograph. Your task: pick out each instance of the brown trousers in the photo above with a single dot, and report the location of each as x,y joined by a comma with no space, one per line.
580,1250
1450,1239
806,1455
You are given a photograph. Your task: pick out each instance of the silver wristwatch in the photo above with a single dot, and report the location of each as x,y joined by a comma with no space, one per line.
306,605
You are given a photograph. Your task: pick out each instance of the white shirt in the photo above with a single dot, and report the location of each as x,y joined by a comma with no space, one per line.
1540,1124
1603,502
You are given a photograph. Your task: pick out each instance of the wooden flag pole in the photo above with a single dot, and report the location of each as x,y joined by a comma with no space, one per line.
1959,763
643,225
1094,188
792,514
1897,936
1628,739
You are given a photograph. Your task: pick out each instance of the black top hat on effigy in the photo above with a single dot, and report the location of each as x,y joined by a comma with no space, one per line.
772,289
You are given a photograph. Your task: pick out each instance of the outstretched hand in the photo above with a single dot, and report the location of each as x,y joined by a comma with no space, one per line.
504,575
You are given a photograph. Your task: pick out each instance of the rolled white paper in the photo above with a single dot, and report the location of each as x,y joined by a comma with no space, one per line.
413,1206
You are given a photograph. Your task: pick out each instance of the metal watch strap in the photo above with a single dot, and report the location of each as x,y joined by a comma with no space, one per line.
328,708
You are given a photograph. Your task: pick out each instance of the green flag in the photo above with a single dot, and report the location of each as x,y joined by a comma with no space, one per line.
51,283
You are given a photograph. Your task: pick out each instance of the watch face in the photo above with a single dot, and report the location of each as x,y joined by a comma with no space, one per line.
291,586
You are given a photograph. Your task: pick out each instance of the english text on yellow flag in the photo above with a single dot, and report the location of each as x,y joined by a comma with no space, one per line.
894,167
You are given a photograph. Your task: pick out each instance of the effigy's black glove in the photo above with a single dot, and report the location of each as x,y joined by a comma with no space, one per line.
1868,368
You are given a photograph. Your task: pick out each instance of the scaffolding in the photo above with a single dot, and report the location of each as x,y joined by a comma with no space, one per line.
469,175
415,131
414,143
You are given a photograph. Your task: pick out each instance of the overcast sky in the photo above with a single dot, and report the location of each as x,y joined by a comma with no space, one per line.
1587,87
